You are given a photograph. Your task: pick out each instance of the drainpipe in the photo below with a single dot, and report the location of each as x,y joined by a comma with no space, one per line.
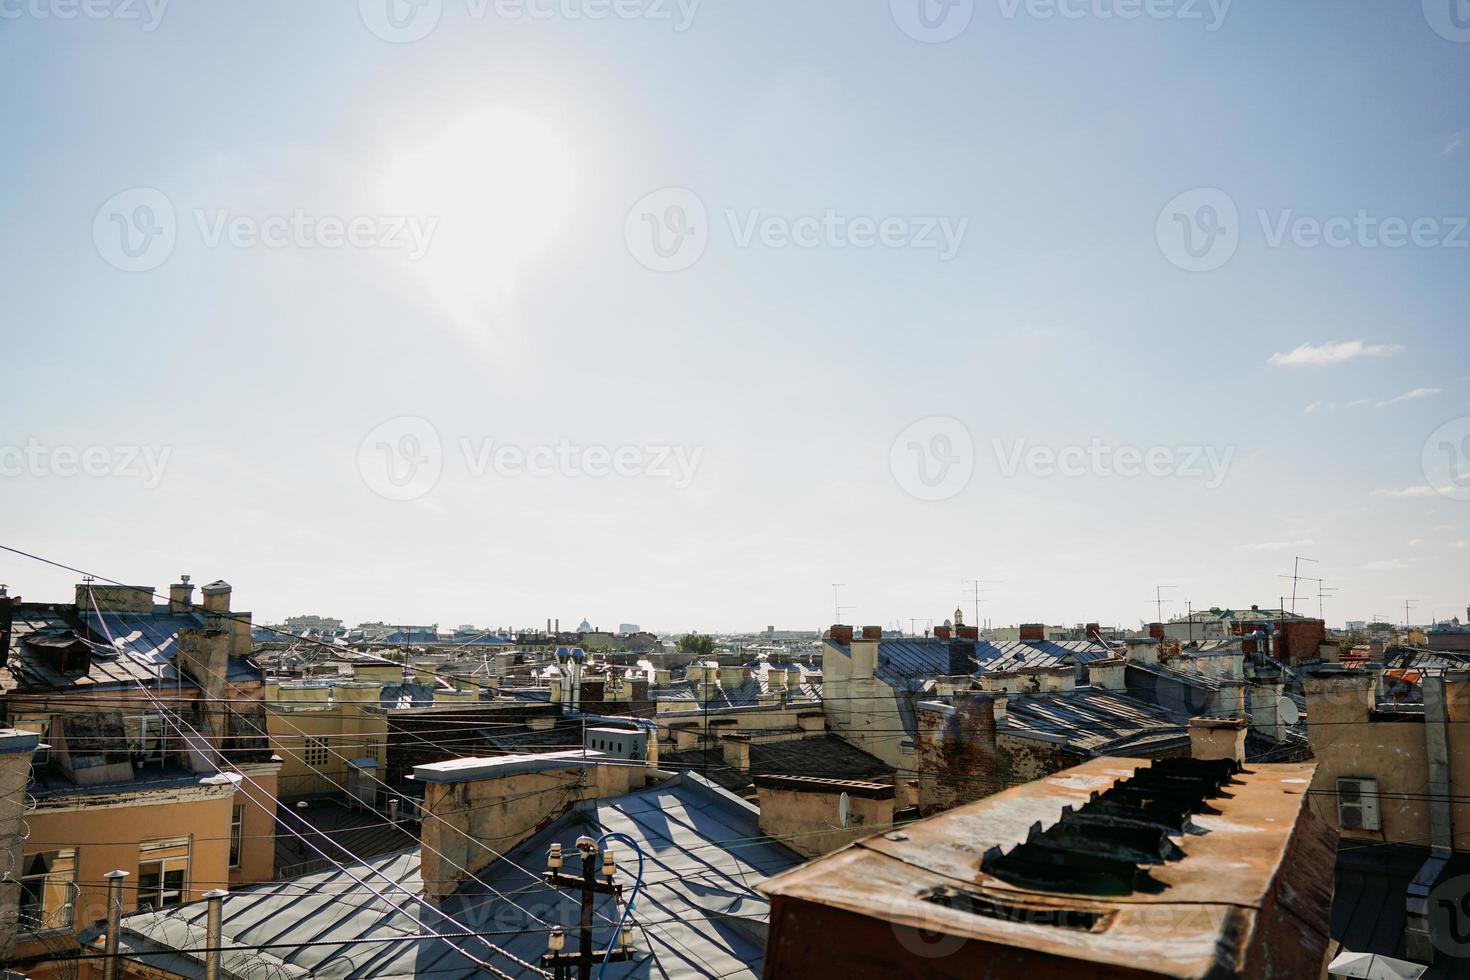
1441,828
114,922
214,933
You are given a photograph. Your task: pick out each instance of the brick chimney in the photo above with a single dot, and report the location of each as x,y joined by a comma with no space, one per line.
872,632
1217,738
1092,631
1156,630
736,750
968,632
941,632
217,597
1033,632
181,595
841,634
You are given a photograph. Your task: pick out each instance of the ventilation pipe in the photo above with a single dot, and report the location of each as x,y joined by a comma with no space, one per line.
114,922
1441,829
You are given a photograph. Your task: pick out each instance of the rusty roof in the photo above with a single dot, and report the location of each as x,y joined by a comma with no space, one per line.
1196,908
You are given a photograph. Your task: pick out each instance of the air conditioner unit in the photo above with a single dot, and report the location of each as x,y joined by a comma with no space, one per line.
1357,804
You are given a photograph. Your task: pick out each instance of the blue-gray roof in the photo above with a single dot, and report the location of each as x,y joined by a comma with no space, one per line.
699,915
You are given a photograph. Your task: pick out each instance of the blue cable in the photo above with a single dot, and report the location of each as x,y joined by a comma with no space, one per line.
628,909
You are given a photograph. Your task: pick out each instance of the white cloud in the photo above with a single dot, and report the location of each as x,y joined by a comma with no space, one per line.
1413,541
1316,407
1388,565
1460,544
1421,490
1308,355
1455,142
1409,396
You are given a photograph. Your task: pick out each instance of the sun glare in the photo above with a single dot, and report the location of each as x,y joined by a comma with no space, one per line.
500,185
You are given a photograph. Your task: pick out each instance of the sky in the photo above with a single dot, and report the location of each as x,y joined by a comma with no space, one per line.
677,313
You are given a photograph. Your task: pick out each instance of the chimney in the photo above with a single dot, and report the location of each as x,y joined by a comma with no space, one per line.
1092,631
1108,675
1265,707
1217,738
216,597
180,595
1156,630
961,655
841,634
872,632
1230,699
941,632
1143,651
1033,632
999,703
736,749
7,620
968,632
1058,680
864,658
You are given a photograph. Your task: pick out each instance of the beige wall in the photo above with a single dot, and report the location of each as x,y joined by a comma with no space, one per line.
350,729
106,833
862,709
1346,743
481,819
809,822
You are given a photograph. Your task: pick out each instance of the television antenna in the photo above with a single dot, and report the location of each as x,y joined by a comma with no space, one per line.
1159,599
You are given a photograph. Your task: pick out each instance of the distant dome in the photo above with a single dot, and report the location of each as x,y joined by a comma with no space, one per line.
585,627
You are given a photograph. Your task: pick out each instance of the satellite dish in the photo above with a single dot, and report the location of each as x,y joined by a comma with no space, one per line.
1287,712
843,805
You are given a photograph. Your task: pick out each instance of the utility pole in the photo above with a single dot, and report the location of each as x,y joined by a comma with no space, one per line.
588,887
836,602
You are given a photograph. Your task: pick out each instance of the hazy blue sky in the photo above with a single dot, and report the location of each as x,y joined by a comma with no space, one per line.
877,271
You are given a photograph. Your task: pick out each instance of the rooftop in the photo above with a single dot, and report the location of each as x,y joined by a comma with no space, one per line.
1180,869
698,913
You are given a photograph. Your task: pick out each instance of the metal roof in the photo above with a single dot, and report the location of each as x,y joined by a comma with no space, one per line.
1095,721
699,913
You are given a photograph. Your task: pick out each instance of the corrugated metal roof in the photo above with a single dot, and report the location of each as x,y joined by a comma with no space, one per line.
700,914
1094,721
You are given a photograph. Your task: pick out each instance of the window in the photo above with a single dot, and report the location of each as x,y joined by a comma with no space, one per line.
314,752
48,890
163,872
237,833
1357,804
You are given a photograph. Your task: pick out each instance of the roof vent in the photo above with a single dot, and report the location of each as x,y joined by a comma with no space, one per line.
1098,850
